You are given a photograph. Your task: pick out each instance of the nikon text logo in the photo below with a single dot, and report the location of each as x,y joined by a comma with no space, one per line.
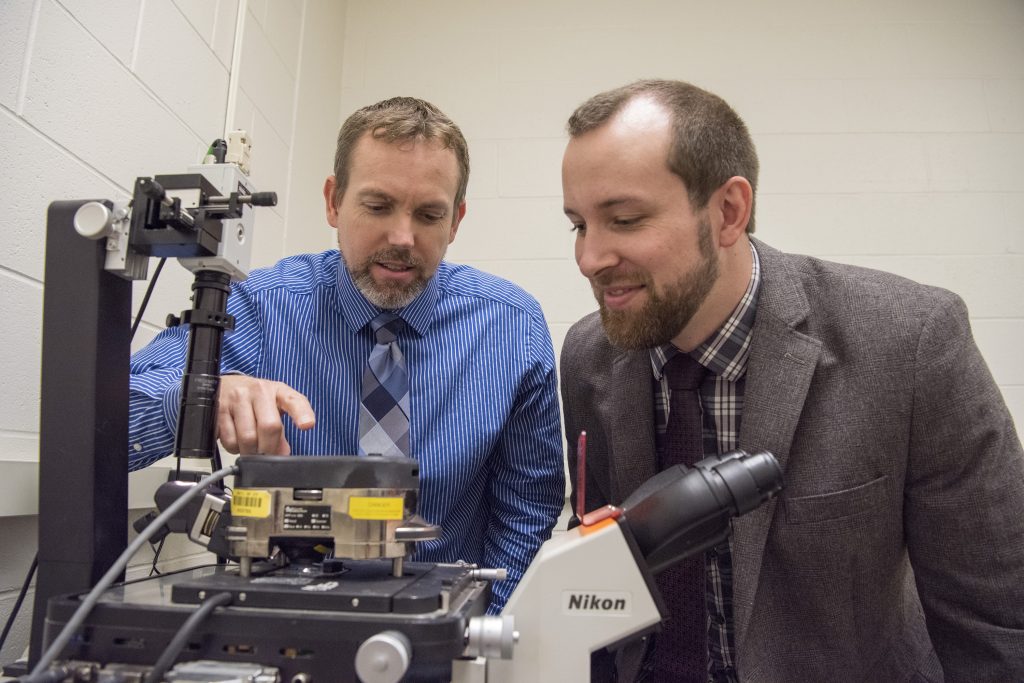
597,602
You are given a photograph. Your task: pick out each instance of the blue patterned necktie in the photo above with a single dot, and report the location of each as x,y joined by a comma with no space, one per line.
384,413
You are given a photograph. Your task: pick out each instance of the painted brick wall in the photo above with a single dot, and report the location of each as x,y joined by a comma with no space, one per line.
890,134
94,93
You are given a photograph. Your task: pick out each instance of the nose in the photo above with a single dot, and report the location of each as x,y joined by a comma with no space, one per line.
594,252
401,233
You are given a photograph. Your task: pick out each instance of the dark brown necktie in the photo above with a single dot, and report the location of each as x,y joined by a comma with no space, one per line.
681,648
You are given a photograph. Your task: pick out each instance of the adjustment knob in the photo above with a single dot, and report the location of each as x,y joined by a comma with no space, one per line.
383,658
491,636
93,220
264,199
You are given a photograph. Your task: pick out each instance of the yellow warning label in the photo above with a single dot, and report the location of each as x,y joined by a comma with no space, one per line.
250,503
361,507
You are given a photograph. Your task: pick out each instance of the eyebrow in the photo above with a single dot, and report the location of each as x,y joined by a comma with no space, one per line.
615,201
606,204
374,194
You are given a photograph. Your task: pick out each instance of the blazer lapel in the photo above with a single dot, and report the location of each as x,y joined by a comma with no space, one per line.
779,371
627,408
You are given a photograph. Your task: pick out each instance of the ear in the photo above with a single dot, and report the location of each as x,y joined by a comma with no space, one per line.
735,201
332,210
459,215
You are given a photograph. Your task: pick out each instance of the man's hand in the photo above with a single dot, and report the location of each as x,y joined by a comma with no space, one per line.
249,415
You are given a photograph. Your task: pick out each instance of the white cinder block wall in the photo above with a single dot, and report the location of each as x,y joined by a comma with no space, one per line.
890,133
94,93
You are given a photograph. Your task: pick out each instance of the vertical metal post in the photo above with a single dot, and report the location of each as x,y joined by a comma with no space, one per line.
83,429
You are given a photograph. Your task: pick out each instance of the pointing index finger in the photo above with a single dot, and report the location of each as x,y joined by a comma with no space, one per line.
296,406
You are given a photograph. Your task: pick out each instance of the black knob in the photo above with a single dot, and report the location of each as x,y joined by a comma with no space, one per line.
264,199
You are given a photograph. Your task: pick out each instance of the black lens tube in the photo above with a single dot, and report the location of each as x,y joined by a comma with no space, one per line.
208,320
683,511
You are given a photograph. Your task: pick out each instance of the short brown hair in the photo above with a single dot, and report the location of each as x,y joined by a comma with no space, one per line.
400,118
710,142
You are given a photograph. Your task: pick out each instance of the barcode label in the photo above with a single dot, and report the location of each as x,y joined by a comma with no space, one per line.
250,503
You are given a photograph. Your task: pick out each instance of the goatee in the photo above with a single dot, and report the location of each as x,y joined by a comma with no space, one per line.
389,295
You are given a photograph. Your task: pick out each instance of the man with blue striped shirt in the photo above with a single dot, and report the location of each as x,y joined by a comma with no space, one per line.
483,410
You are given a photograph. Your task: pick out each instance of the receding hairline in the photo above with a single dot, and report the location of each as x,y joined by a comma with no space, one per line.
710,142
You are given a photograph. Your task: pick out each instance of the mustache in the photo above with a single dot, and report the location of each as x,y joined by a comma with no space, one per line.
606,279
395,255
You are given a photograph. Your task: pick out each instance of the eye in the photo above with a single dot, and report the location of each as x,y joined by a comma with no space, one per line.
578,228
626,222
375,207
432,216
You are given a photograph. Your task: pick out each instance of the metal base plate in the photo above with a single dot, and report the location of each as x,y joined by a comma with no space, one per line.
360,586
133,622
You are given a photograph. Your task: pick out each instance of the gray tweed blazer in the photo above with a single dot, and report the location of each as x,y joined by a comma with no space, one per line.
896,550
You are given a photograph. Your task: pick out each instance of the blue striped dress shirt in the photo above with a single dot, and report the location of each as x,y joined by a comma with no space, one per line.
485,419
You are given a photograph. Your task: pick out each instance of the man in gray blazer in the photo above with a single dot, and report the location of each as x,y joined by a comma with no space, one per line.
896,550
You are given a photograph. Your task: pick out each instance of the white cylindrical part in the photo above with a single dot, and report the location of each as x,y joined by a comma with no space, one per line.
384,657
93,220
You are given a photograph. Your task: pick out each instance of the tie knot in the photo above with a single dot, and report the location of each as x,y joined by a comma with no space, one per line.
683,372
386,327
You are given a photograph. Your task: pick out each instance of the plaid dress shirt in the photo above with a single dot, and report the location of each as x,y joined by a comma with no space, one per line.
725,356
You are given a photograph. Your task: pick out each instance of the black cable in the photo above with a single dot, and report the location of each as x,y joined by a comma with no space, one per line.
149,292
21,598
177,644
156,556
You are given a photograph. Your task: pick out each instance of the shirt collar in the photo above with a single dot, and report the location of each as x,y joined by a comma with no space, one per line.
726,351
358,312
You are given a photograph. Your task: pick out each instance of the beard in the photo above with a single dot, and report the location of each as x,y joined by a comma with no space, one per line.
389,295
666,312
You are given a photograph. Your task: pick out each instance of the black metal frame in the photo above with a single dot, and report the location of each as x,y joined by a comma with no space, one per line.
83,427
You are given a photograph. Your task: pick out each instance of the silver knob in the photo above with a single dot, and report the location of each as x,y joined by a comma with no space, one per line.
493,637
383,658
93,220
